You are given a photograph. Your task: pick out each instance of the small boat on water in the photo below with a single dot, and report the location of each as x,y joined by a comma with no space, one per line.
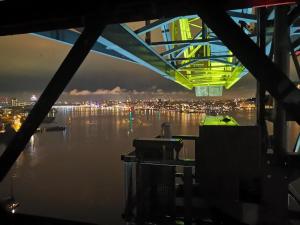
55,128
50,129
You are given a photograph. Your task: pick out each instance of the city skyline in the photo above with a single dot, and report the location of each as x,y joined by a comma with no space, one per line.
119,94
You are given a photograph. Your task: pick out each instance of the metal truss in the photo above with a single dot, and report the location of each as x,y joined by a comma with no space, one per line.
120,41
189,52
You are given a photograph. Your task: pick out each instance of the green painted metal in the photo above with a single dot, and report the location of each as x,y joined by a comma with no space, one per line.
189,53
206,72
219,121
127,42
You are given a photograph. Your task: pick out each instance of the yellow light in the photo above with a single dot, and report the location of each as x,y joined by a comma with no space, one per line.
16,124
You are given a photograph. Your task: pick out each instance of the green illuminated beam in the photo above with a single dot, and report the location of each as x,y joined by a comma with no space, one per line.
224,62
182,80
200,68
209,79
141,53
186,34
210,73
210,83
192,62
189,57
237,74
197,63
183,42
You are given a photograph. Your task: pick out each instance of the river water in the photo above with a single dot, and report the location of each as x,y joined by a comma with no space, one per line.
77,174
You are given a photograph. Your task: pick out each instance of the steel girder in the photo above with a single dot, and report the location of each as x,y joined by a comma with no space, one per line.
111,43
193,47
185,52
70,36
45,18
119,41
127,40
18,17
261,66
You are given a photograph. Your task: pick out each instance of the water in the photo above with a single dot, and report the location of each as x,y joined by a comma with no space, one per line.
77,174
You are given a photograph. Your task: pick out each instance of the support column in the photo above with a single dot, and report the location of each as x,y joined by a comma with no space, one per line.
260,90
279,86
274,80
52,92
281,59
275,180
188,195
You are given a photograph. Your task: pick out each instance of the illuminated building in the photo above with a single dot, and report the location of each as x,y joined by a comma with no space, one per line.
14,102
33,98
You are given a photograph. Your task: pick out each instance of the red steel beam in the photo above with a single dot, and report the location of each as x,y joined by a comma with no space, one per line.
268,3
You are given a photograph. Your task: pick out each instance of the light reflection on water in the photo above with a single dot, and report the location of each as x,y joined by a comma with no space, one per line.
77,174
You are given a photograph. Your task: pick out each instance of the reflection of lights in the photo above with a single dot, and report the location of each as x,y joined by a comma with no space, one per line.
10,204
13,206
17,123
32,141
2,128
130,122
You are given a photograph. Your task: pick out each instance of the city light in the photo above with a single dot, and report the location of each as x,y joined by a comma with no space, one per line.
33,98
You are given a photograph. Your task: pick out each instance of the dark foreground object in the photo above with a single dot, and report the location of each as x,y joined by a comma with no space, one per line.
15,219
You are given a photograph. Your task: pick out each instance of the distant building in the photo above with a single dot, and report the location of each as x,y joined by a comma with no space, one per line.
14,102
3,100
33,98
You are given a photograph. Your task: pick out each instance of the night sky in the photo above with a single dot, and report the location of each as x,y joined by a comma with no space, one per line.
27,63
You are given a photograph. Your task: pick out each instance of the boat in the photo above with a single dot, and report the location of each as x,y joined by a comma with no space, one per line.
55,128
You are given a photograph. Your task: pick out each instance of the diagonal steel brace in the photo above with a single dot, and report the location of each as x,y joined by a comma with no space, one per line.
52,92
261,67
